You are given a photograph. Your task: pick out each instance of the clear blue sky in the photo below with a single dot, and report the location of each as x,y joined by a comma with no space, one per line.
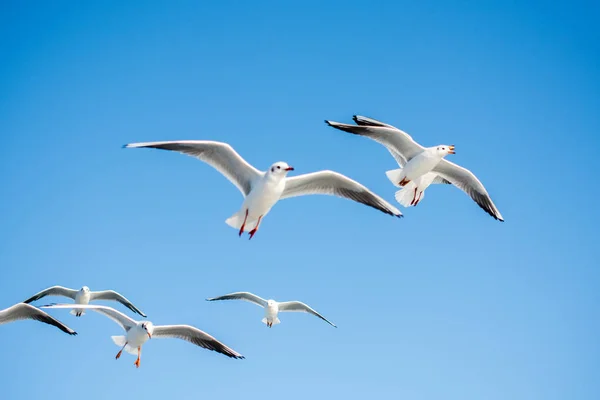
445,303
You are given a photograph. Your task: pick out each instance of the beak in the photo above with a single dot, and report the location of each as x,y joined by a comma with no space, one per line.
289,169
149,335
451,150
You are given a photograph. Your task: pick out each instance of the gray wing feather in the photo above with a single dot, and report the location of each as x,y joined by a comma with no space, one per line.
335,184
220,156
23,311
298,306
392,138
466,181
112,295
246,296
196,336
53,291
117,316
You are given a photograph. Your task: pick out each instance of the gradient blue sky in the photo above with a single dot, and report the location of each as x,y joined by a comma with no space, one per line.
445,303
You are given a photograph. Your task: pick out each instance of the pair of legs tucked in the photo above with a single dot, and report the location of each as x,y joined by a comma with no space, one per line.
137,362
253,231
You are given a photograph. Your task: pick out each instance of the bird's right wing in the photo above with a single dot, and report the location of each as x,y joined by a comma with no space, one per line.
112,295
392,138
196,336
117,316
246,296
53,291
218,155
26,311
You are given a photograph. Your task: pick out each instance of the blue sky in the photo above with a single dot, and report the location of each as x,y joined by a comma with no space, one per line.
444,303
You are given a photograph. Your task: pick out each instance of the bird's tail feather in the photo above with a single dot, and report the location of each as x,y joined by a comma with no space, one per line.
406,195
120,341
77,311
395,176
237,219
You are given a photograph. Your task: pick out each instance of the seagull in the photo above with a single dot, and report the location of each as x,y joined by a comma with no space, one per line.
262,189
421,166
138,333
84,296
26,311
272,307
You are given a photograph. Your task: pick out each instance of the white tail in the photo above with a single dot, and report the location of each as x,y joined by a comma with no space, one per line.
120,341
275,321
406,196
395,176
237,219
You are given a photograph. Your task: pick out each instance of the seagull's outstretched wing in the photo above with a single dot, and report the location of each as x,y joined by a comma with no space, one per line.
53,291
246,296
220,156
117,316
335,184
366,121
298,306
466,181
400,142
25,311
112,295
195,336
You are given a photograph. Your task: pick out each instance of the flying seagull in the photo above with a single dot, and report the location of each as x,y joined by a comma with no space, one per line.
272,307
421,166
261,190
84,296
26,311
138,332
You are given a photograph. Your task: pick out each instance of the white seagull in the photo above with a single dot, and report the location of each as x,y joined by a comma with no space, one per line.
272,307
138,333
261,190
420,166
25,311
84,296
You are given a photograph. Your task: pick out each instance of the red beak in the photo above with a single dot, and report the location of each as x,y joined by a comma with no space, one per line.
149,335
289,169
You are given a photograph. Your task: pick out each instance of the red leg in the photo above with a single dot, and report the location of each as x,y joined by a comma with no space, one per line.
137,362
414,200
419,199
243,224
404,182
253,231
120,351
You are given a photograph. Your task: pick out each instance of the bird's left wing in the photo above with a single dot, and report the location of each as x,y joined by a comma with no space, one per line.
112,295
466,181
25,311
117,316
298,306
335,184
195,336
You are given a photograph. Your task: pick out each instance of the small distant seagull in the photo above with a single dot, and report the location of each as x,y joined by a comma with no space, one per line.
84,296
420,166
26,311
262,190
138,333
272,307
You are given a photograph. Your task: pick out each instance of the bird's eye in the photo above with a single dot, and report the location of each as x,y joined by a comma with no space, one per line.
278,167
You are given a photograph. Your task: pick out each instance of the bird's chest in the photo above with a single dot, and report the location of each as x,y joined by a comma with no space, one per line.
420,165
264,196
137,336
82,298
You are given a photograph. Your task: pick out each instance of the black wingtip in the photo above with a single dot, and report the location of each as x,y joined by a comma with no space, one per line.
124,146
328,122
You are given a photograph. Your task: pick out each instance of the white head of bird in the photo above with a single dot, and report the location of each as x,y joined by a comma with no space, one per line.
443,150
279,169
85,289
148,327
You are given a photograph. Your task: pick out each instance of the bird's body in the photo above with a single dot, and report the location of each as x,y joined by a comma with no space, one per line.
272,307
263,189
84,296
81,297
137,333
420,166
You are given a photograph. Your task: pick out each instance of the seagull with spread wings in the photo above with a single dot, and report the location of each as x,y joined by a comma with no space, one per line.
22,311
272,307
421,166
139,332
262,189
84,296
